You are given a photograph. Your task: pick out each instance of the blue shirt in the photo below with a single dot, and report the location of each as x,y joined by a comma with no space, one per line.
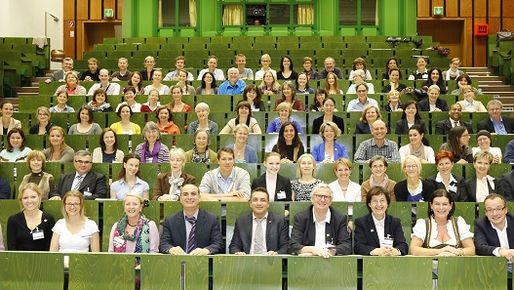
499,128
121,188
228,89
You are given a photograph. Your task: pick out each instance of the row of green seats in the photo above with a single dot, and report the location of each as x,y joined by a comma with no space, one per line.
116,271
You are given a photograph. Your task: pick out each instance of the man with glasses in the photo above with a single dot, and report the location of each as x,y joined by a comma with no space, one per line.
320,230
191,231
92,184
496,123
260,232
362,100
494,233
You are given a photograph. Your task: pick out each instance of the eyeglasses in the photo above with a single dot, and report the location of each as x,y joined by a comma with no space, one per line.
494,210
69,204
411,166
321,196
83,162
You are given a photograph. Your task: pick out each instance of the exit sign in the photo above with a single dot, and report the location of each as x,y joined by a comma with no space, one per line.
108,13
438,11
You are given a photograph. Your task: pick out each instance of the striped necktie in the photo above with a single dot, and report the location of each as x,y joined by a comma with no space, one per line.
191,241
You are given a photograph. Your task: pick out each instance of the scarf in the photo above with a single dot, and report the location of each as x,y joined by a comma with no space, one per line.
420,153
175,185
141,235
154,154
200,157
451,74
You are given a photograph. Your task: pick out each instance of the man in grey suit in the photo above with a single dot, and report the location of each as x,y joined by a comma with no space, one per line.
58,76
260,232
191,231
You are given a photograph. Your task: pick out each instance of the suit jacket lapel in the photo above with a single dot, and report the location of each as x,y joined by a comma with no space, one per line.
86,181
179,227
373,229
510,230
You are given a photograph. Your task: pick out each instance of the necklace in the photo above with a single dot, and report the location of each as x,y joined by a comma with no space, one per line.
131,225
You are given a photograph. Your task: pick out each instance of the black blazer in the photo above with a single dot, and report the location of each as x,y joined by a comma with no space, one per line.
145,76
316,124
19,237
506,186
366,238
35,129
304,232
486,239
441,104
277,234
402,127
362,128
401,191
208,234
459,194
283,184
488,125
93,182
444,126
470,188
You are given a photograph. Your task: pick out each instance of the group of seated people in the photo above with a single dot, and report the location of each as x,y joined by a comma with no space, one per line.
375,234
318,230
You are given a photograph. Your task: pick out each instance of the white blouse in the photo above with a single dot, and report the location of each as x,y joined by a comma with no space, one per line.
353,192
420,230
78,242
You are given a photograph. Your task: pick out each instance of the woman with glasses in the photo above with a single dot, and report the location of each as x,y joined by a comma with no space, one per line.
413,188
43,124
75,232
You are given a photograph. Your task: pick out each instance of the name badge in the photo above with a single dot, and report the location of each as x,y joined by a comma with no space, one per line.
452,188
118,241
388,242
38,234
87,192
281,195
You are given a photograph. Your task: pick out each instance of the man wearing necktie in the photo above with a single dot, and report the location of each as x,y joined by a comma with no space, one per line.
443,127
260,232
92,184
192,231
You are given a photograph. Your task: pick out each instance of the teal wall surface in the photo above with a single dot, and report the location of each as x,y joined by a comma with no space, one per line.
396,17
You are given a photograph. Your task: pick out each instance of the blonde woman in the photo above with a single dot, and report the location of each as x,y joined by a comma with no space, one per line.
265,63
306,178
343,188
168,185
469,104
75,232
58,151
45,181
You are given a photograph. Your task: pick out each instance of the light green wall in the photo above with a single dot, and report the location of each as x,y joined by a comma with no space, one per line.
396,17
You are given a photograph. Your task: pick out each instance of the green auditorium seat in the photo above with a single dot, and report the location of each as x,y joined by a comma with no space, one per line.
174,272
467,210
35,141
112,40
315,45
63,120
217,103
8,207
101,271
197,170
488,273
271,139
397,273
254,140
31,103
240,272
99,55
54,208
394,171
317,273
26,270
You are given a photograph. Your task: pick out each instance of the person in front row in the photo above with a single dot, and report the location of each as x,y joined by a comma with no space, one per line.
378,233
191,231
92,184
260,232
134,233
320,230
494,233
226,183
441,234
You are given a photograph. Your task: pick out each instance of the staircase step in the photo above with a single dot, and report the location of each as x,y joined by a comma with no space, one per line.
26,89
480,78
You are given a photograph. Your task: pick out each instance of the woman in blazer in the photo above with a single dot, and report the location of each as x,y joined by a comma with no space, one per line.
377,233
278,186
477,188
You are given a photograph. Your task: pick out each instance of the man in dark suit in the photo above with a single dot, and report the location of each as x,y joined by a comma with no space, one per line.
494,233
506,185
496,123
260,232
320,230
444,126
193,230
92,184
58,76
